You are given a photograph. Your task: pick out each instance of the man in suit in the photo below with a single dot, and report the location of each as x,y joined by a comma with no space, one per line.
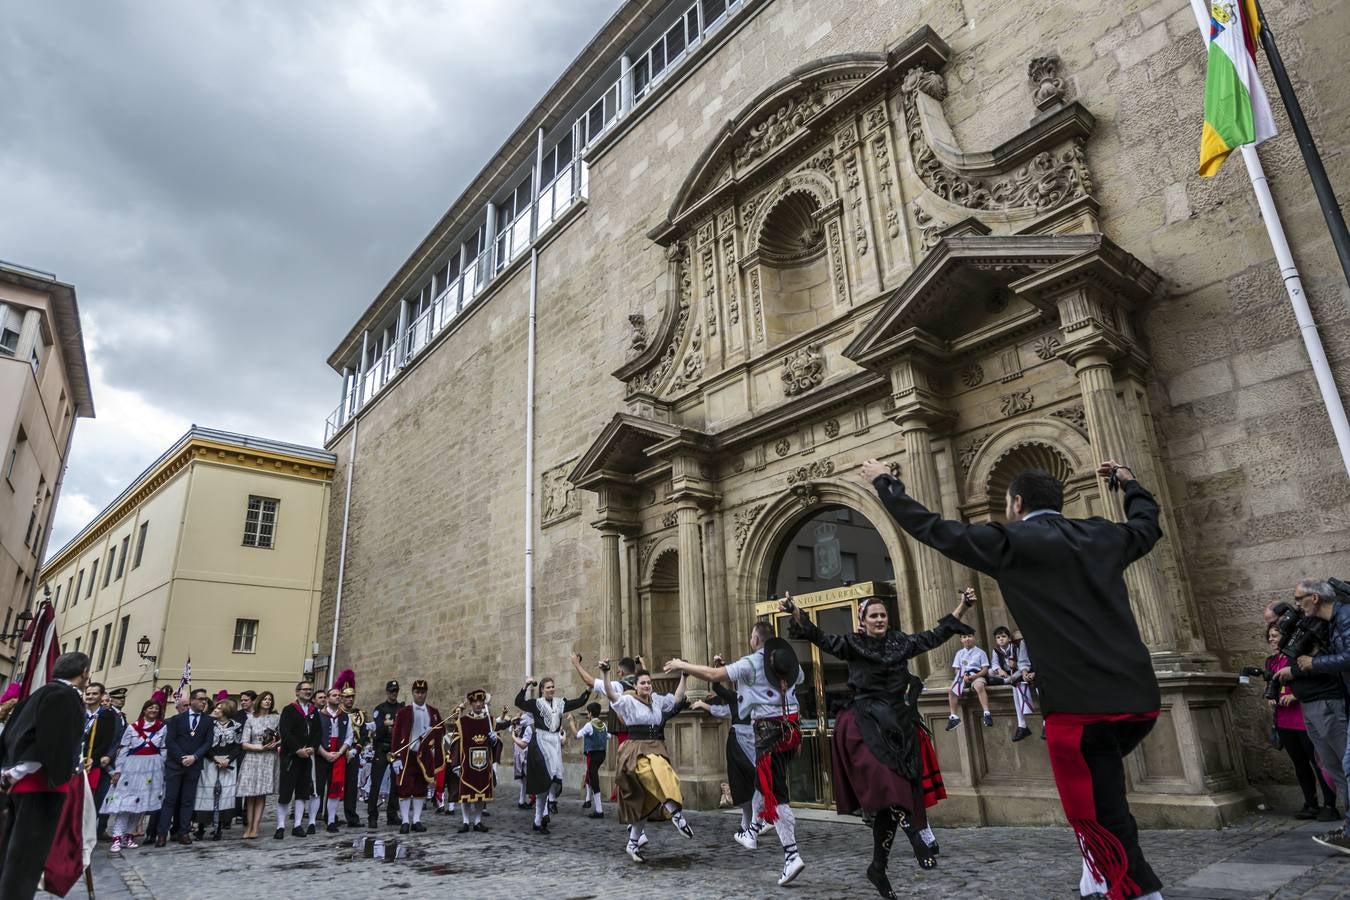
187,737
299,734
38,753
102,731
1064,581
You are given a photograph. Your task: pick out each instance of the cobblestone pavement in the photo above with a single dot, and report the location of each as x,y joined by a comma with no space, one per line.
1261,857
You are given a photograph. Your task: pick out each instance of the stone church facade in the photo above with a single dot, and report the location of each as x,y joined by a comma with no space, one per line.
962,237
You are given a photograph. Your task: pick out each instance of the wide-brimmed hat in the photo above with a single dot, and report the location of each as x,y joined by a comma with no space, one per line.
781,666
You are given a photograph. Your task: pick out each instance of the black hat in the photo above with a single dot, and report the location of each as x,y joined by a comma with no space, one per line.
780,663
118,693
391,686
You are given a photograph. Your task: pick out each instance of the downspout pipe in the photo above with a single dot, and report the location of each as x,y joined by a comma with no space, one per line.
529,403
346,513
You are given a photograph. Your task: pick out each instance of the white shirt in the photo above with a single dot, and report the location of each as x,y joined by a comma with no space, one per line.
1041,512
598,685
970,660
421,724
635,712
756,696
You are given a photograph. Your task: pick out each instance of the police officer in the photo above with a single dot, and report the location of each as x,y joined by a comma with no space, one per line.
381,724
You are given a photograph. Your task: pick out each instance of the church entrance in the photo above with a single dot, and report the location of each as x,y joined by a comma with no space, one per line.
828,563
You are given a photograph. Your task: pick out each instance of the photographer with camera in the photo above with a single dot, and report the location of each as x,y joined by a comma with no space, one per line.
1290,731
1326,608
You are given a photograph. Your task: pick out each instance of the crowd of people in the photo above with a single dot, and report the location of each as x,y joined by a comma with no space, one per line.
213,761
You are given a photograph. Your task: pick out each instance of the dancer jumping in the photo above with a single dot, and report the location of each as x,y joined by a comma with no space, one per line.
882,757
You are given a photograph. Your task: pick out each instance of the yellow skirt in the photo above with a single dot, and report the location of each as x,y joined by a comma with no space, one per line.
646,780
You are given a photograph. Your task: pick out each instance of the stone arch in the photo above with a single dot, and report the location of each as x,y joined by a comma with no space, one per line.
754,576
1040,442
659,596
810,183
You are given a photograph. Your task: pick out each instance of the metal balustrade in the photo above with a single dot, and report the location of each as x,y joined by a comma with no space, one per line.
698,21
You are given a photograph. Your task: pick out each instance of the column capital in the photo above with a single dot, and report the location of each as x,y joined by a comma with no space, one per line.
914,393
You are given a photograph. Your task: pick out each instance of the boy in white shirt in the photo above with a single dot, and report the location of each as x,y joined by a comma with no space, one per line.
971,665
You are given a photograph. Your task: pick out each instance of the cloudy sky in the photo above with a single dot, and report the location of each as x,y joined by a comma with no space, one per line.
227,185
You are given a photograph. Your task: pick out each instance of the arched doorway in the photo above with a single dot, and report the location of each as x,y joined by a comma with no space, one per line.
661,607
828,561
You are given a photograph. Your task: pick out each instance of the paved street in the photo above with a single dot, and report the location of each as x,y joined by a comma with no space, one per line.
1261,857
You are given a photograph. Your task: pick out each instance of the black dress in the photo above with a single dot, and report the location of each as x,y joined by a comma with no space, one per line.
881,754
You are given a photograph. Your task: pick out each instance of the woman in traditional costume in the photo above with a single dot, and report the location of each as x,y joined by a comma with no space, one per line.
882,757
220,769
647,781
544,769
138,781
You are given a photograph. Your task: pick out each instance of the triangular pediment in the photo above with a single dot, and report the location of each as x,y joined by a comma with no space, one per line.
966,293
620,450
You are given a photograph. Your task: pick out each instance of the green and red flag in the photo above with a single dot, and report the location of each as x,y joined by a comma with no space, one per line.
1237,111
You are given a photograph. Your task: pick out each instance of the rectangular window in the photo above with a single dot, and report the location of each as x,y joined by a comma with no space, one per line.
77,645
122,559
35,357
9,341
848,567
806,563
140,544
245,635
103,648
32,523
121,640
112,558
57,599
79,585
93,579
70,582
13,460
260,522
93,644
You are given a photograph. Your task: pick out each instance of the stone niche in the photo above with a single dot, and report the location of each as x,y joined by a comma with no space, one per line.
847,280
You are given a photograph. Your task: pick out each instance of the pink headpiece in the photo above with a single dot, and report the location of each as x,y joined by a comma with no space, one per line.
221,694
11,692
159,697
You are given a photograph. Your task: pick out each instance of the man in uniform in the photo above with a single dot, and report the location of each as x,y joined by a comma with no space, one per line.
299,732
416,737
357,718
335,739
473,747
381,726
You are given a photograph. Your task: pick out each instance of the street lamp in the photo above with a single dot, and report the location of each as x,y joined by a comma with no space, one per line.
21,623
142,646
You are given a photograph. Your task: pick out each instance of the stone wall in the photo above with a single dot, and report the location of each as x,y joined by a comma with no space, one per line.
435,559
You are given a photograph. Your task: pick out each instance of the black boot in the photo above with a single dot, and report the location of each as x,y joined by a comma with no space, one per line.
883,835
922,852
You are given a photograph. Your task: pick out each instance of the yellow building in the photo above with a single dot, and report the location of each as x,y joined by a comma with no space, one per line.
216,553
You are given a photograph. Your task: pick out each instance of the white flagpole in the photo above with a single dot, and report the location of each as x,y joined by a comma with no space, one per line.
1293,285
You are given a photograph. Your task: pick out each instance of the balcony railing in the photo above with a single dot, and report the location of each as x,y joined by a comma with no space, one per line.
655,64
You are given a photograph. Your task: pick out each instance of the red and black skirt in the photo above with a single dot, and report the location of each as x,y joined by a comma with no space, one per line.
864,783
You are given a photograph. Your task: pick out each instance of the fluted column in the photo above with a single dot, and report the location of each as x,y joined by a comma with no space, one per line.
1107,432
693,603
611,598
937,589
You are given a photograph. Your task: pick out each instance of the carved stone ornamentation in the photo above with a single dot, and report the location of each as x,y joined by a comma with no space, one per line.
637,338
831,428
972,375
822,161
757,303
929,228
853,184
1074,415
729,263
966,456
837,263
821,468
782,447
1046,84
1016,402
710,289
803,369
558,497
744,519
739,465
783,123
805,493
1044,182
645,549
669,519
651,380
692,370
1046,346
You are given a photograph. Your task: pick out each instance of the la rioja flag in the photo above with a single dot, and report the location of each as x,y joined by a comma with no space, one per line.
1237,111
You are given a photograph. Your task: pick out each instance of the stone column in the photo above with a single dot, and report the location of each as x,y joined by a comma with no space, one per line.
611,609
937,590
1107,432
693,605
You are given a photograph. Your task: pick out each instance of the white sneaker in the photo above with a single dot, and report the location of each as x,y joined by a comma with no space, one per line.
642,839
678,821
748,839
635,852
760,826
792,867
116,845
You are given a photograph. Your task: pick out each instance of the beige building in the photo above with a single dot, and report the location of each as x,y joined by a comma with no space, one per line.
619,393
215,552
44,388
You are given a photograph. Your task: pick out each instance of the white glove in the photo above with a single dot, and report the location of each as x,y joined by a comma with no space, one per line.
397,767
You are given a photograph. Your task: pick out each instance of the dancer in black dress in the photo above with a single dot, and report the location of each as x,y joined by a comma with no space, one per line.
882,757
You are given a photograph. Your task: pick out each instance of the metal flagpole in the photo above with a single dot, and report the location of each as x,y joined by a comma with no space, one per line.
1326,196
1312,341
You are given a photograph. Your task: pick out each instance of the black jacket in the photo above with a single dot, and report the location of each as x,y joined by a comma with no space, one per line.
101,739
297,730
1336,661
46,727
883,688
383,735
1064,581
180,740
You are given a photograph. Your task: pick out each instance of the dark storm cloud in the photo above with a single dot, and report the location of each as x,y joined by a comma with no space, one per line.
228,185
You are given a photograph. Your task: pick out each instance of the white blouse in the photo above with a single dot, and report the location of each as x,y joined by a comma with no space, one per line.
635,712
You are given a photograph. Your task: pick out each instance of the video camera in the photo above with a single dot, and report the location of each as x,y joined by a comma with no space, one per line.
1300,633
1272,691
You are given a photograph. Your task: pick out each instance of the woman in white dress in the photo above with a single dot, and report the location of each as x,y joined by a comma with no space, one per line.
544,766
261,767
138,780
220,769
647,781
